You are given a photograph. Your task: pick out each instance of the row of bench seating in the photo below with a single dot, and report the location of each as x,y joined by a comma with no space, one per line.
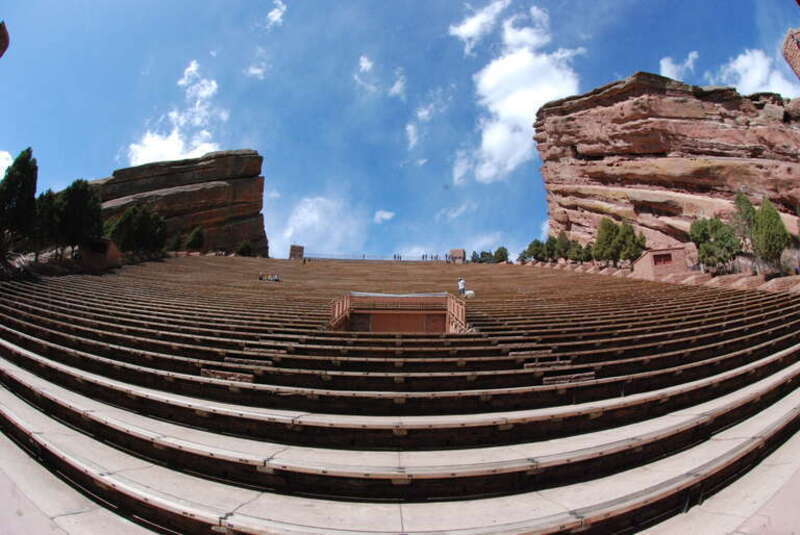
195,399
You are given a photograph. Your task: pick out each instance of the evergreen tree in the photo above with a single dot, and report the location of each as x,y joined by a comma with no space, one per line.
575,251
245,249
535,250
80,214
604,248
123,231
196,240
48,221
18,198
175,243
630,245
717,243
487,257
770,237
501,255
475,259
562,245
550,247
743,220
588,253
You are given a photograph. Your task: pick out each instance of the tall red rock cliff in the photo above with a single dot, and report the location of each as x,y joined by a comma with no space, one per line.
221,192
660,153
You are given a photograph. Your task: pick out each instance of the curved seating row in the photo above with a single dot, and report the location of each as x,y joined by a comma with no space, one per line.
193,398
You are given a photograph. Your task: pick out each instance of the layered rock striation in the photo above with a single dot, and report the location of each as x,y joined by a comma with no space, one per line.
659,154
222,192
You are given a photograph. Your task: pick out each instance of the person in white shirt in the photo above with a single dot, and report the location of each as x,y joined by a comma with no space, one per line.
462,286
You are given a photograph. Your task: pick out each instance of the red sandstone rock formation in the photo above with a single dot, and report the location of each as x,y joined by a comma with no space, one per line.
221,192
4,39
660,153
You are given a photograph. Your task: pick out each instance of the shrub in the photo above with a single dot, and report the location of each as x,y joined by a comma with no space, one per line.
500,255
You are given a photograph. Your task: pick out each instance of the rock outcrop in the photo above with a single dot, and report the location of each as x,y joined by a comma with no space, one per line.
4,39
221,192
659,153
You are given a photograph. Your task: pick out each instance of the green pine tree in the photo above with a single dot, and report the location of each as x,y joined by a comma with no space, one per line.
48,221
196,239
743,220
245,249
18,199
80,214
501,255
717,243
770,236
605,246
562,245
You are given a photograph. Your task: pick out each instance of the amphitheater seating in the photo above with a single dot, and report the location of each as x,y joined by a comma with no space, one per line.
190,397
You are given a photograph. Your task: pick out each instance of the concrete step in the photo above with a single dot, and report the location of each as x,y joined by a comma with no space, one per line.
192,504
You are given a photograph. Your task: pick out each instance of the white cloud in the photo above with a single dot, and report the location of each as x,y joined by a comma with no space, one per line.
485,242
677,71
535,36
412,135
753,72
363,77
324,226
5,161
259,67
274,194
421,162
256,70
398,89
382,215
275,16
510,89
365,64
544,230
457,211
461,167
473,28
189,133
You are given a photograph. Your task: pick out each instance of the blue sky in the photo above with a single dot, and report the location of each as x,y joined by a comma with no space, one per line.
401,126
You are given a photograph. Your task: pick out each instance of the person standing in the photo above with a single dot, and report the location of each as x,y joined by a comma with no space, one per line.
462,286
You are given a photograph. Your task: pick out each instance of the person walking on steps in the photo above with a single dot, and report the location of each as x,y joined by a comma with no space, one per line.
462,286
